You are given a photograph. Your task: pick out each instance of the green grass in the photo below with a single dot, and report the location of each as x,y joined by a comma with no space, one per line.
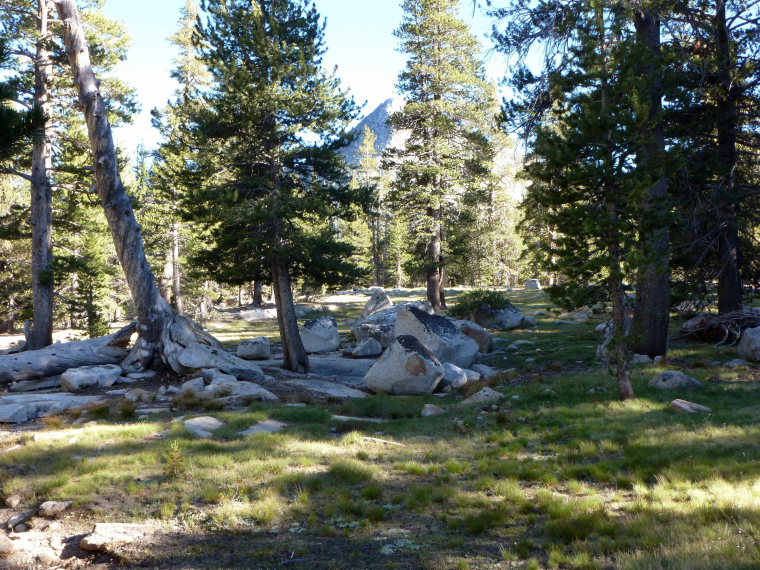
555,477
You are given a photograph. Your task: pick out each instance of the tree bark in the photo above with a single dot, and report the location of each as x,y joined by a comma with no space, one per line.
162,332
258,299
58,358
621,326
294,353
42,197
434,272
177,301
729,278
650,321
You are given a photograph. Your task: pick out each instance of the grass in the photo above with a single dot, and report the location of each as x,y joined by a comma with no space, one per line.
552,477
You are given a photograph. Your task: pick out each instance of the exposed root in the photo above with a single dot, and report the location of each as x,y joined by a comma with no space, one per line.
725,329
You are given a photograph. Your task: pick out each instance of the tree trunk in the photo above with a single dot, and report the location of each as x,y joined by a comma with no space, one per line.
258,299
729,278
177,301
42,197
621,327
162,333
433,275
294,353
650,321
58,358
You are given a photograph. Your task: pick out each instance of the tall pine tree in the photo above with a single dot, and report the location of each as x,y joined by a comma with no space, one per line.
270,127
447,151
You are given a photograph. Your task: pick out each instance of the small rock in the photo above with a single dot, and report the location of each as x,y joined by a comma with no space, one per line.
530,361
431,410
749,344
640,359
137,395
598,390
194,384
367,348
688,407
126,380
13,501
106,536
53,508
6,545
144,375
671,379
216,376
320,335
266,426
659,359
737,363
486,395
486,372
203,426
87,376
518,344
456,377
533,285
258,348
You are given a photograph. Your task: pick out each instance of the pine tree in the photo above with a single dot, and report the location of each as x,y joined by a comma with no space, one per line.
443,159
39,70
271,180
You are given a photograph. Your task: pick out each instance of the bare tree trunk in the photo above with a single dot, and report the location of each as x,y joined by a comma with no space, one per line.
162,332
42,197
165,280
178,303
258,299
729,278
294,353
434,272
650,321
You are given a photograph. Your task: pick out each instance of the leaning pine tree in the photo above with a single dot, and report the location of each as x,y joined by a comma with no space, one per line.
447,98
270,126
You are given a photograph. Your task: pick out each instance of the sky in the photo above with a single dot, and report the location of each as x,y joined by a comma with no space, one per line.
359,37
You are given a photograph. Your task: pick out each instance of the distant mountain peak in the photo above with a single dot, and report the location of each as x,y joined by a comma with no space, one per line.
377,121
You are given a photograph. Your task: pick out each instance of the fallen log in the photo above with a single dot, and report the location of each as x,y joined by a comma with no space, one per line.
58,358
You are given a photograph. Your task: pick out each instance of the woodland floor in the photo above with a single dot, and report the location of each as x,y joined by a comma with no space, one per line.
552,477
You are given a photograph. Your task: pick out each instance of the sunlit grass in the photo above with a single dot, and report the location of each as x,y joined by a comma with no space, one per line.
555,477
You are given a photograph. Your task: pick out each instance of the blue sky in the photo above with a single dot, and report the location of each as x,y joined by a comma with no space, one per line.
359,37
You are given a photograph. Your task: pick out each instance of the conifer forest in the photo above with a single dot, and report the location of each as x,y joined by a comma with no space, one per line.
507,318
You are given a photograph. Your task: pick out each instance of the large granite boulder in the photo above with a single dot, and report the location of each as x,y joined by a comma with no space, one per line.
197,356
407,367
377,302
533,285
478,334
499,319
320,335
258,348
102,376
439,334
380,325
749,344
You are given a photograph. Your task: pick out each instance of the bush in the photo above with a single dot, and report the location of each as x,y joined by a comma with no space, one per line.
468,303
